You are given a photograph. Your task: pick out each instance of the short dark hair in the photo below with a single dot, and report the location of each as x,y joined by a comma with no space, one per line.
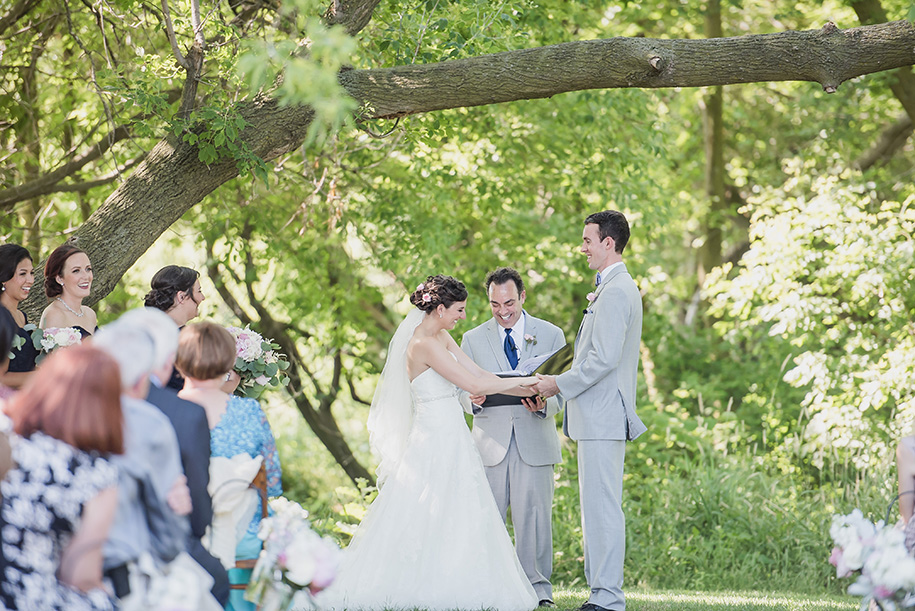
611,224
11,255
167,283
437,290
503,275
54,266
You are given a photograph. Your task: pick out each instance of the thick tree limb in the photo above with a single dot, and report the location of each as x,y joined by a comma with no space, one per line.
172,179
828,56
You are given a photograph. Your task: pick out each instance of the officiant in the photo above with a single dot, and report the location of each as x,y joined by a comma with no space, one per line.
516,437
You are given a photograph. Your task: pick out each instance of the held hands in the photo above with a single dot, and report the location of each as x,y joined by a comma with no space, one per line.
546,386
477,399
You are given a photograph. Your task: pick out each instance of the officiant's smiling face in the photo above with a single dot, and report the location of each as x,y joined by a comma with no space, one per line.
506,303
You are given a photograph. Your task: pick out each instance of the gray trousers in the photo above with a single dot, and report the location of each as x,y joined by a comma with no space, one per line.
529,492
603,525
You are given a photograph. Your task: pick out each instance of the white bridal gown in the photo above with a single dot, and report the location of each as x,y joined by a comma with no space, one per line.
433,538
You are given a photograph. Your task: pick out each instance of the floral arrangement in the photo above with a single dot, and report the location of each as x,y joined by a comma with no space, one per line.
530,339
295,562
46,340
876,553
258,362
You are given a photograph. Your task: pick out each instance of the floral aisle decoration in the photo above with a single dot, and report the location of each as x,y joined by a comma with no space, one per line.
258,362
876,553
46,340
295,563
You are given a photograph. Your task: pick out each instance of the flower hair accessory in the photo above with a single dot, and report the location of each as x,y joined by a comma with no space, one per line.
420,286
427,297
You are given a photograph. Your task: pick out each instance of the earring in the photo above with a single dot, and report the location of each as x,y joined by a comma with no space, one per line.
439,314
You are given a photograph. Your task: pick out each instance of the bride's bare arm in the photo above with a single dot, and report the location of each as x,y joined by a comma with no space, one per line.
432,352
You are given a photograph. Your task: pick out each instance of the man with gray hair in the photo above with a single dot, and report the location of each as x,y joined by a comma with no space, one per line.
190,423
149,471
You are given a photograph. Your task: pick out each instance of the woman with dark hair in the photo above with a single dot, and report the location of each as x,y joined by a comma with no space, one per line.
67,281
16,279
65,420
176,291
433,538
206,352
8,329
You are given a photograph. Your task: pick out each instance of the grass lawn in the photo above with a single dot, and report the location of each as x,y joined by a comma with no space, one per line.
672,600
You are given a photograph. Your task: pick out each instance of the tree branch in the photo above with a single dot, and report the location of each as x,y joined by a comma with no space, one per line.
16,12
172,39
891,140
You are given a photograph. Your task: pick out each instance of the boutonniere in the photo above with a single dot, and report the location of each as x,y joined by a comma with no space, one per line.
530,339
591,296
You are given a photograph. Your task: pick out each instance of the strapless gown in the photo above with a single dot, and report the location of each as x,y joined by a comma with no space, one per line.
433,538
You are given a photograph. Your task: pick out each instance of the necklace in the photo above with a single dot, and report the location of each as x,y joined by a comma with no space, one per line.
71,310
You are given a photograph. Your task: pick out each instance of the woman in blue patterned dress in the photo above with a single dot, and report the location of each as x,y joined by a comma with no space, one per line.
206,353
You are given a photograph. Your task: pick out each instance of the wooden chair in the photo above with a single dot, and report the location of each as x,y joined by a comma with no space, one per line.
259,483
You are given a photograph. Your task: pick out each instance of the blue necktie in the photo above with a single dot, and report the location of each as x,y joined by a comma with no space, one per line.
597,280
510,349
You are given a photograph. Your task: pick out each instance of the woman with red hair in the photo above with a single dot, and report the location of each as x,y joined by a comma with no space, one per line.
60,497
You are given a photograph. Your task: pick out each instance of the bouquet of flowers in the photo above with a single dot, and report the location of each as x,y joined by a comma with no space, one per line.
876,553
295,560
46,340
257,362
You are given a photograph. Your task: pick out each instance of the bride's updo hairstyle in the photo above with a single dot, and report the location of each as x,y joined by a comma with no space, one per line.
436,290
167,283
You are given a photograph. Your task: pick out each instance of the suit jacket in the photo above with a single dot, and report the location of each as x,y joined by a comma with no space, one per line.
535,434
599,389
190,424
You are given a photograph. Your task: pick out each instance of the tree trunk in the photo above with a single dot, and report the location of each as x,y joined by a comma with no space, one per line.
171,180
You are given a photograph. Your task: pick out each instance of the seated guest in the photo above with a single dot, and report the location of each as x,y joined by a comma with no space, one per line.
67,281
16,279
60,497
176,291
149,472
190,424
206,352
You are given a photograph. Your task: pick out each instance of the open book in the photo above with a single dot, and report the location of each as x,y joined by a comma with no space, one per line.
547,364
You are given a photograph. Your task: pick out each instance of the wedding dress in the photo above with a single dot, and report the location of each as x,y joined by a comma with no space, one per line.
433,538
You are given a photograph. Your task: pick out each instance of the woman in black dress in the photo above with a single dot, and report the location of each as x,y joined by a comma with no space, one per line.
16,279
67,281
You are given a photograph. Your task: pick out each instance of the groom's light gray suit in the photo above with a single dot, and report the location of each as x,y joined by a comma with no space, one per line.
519,448
599,394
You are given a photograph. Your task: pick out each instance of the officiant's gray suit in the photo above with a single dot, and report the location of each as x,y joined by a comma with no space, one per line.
519,448
599,395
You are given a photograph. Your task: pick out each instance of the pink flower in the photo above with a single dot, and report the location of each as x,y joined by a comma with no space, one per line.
427,297
591,296
420,286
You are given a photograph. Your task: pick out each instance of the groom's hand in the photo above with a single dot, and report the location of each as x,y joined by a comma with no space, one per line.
546,386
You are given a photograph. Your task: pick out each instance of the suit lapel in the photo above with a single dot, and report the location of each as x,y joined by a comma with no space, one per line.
496,342
530,329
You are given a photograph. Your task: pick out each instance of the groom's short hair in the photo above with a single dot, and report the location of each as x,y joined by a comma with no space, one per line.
503,275
611,224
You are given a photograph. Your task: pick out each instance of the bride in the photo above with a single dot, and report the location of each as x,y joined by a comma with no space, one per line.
433,538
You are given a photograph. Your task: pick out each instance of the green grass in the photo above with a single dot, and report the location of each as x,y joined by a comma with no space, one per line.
677,600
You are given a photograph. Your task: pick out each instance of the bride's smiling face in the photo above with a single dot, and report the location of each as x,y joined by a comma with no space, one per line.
452,314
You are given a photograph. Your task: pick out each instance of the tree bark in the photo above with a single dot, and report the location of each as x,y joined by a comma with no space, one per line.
171,180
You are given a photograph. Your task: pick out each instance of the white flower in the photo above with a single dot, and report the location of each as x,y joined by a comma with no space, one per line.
591,296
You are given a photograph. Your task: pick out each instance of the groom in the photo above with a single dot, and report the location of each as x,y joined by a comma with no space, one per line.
517,442
599,393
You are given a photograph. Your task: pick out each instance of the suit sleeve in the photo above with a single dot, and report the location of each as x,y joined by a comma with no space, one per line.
554,404
611,313
197,471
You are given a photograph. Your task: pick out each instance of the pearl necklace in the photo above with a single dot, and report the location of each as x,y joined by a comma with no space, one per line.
79,314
